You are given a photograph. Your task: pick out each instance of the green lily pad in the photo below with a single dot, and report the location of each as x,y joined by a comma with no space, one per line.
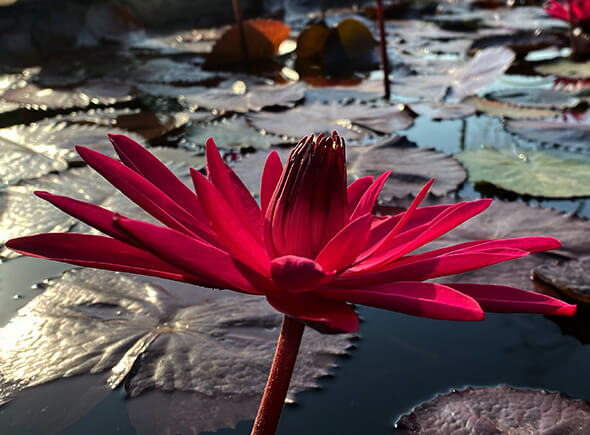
535,173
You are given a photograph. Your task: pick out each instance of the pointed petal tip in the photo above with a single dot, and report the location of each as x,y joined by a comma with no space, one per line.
566,310
43,194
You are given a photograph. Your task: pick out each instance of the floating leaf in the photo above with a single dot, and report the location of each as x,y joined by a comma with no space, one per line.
411,167
22,213
367,90
565,130
168,71
496,410
485,67
30,151
351,121
436,110
566,68
535,173
230,133
497,108
571,278
263,38
241,99
156,334
534,98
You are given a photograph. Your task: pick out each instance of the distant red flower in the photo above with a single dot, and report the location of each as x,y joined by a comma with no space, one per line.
311,247
580,10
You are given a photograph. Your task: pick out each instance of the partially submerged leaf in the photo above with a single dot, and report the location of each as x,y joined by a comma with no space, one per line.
411,167
571,278
497,410
534,98
247,99
436,110
566,68
263,38
351,121
567,130
155,334
535,173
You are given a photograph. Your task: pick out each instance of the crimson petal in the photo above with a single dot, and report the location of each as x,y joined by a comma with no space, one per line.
369,198
273,168
356,190
504,299
99,252
432,300
298,274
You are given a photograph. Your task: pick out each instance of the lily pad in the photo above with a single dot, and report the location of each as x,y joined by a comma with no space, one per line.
351,121
240,99
411,167
566,68
168,71
496,410
29,151
535,173
367,90
151,334
535,97
501,109
571,278
22,213
567,130
230,133
479,72
436,110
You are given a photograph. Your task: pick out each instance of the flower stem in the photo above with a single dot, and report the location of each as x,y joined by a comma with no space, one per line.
383,47
279,377
240,23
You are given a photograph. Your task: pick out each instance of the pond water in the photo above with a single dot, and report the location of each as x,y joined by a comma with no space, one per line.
397,361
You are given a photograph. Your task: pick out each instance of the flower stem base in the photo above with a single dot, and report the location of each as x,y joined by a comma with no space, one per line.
279,378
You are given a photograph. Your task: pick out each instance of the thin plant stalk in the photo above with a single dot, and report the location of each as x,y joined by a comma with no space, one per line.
240,23
273,399
383,48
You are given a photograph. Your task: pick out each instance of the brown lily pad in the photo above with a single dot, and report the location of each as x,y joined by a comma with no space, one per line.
571,278
241,99
351,121
566,130
507,110
566,68
498,410
411,167
156,335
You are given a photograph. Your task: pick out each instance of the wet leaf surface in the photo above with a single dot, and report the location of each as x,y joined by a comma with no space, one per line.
535,173
230,133
498,410
164,70
441,111
29,151
497,108
566,68
479,72
571,278
367,90
536,97
156,334
245,99
22,213
352,121
565,130
411,167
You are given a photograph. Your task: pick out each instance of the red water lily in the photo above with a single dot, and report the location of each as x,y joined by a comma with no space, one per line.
312,246
580,10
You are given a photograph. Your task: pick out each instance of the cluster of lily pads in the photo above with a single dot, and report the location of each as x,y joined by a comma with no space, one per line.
482,97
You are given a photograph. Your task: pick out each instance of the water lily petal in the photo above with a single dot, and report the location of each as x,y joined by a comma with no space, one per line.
356,189
146,195
432,300
345,246
298,274
217,267
229,227
99,252
273,168
504,299
325,315
233,190
146,164
91,214
369,198
429,268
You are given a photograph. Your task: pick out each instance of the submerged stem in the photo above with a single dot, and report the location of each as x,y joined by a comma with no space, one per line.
279,377
383,47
